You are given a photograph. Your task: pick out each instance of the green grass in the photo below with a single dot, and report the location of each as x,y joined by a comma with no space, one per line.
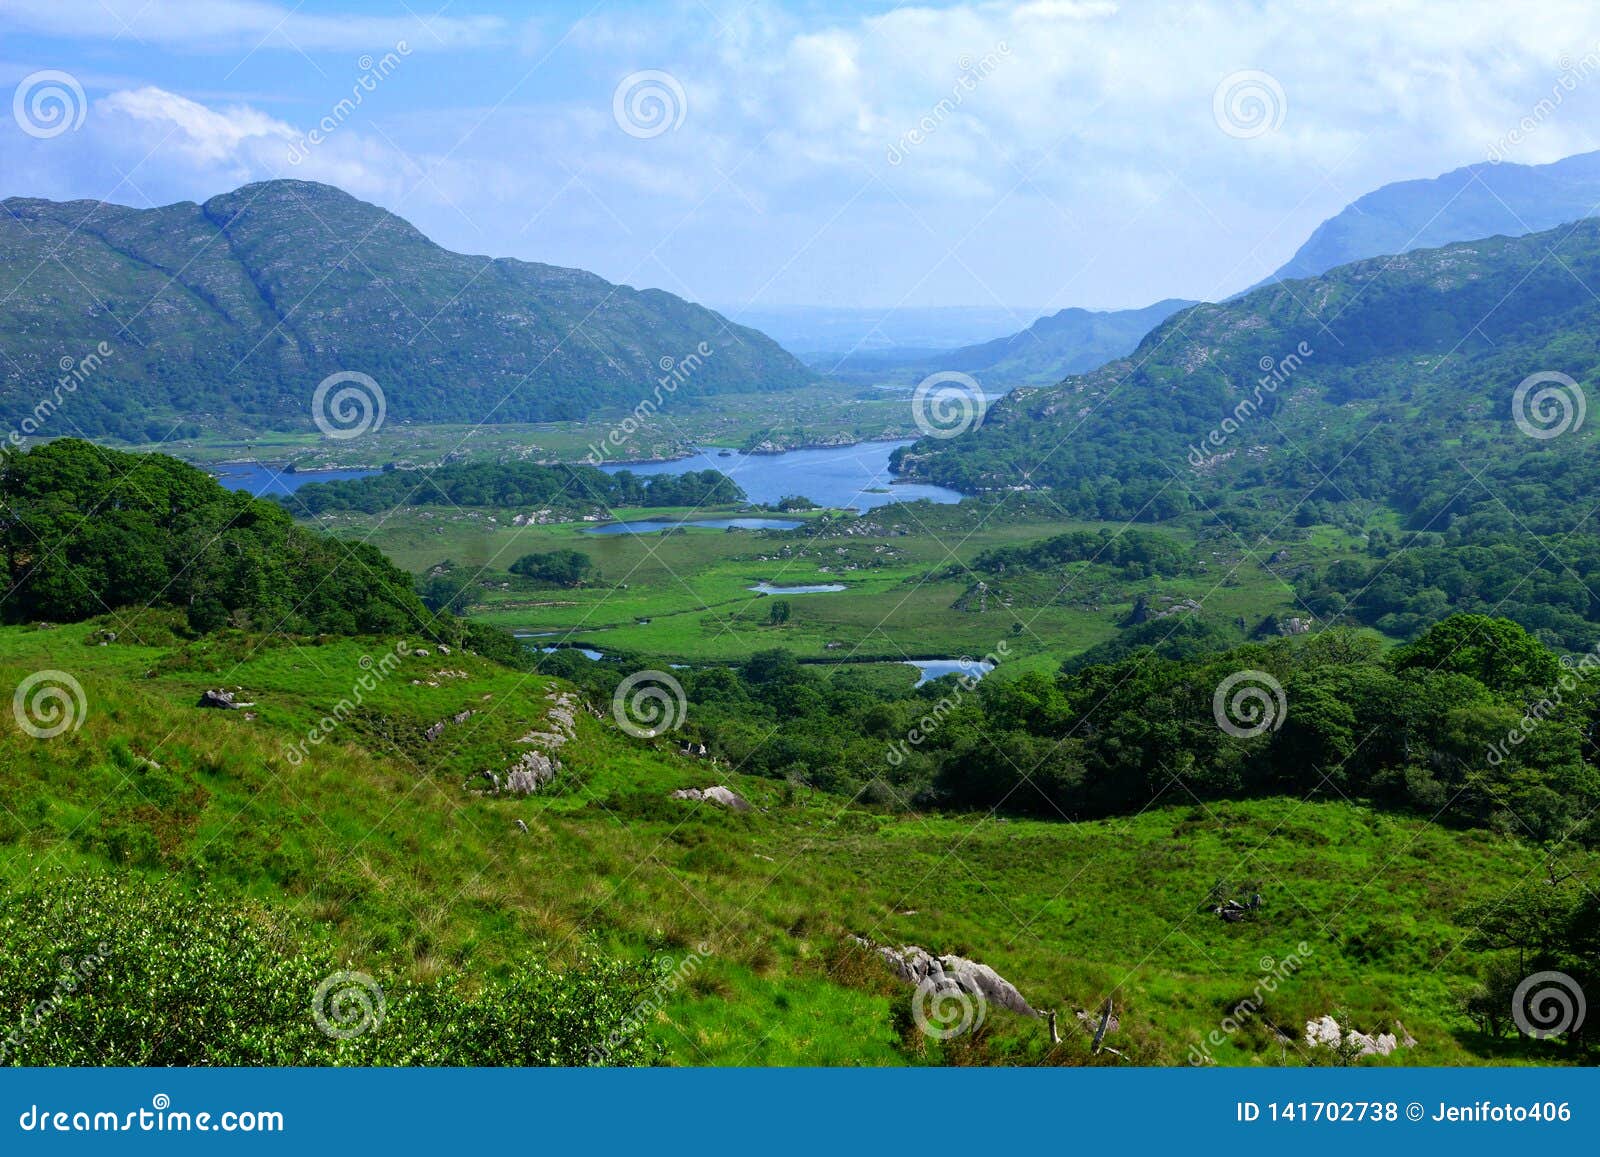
376,839
684,596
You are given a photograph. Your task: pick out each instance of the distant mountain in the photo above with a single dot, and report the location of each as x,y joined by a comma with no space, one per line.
230,313
1073,341
1393,370
1483,200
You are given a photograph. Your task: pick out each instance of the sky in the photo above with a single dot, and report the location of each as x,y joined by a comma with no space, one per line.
1024,155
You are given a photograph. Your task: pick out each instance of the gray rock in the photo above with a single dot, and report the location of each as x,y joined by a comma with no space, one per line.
727,797
918,966
221,700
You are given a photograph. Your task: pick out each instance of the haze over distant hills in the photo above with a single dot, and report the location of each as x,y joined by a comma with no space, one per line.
892,345
1483,200
887,333
1073,341
231,312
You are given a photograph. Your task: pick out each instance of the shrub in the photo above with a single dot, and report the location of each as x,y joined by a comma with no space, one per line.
118,970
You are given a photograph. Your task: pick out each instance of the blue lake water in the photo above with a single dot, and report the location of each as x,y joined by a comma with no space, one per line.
657,525
766,588
836,476
526,636
938,668
262,481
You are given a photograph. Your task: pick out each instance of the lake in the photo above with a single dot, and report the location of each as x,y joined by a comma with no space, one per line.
938,668
766,588
657,525
262,480
834,476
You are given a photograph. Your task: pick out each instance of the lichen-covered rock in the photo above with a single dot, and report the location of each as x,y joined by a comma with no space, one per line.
531,772
918,966
725,796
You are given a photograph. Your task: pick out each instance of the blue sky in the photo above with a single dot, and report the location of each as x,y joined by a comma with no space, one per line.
1028,155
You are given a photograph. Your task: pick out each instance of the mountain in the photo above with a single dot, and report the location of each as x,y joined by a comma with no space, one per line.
233,311
1073,341
1431,344
1483,200
1428,410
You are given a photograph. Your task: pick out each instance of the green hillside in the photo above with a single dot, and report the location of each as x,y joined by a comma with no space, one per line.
377,846
227,315
1399,399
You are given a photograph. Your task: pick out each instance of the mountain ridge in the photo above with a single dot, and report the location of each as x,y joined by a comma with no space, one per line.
1471,202
240,304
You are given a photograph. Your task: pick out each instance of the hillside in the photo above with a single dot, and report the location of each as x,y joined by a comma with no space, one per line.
1442,336
379,838
1394,399
228,314
1483,200
1072,341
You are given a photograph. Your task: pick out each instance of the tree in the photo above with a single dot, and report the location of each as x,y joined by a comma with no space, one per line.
560,568
1496,652
779,614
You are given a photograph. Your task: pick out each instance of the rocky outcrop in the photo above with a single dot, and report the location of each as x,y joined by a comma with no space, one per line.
1324,1032
918,966
725,796
531,772
532,769
221,700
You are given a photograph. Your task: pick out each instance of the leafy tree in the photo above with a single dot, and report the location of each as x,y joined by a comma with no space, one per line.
559,568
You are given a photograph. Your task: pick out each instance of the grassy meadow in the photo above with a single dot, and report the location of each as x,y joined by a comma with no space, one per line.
377,840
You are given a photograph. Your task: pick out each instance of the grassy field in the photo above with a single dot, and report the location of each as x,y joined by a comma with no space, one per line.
377,840
685,596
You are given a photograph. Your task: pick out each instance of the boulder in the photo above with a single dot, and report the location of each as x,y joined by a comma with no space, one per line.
727,797
531,772
918,966
221,700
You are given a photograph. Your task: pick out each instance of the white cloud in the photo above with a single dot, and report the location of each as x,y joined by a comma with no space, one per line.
199,134
1084,167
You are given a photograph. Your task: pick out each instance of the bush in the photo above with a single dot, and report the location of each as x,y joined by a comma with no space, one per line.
118,970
